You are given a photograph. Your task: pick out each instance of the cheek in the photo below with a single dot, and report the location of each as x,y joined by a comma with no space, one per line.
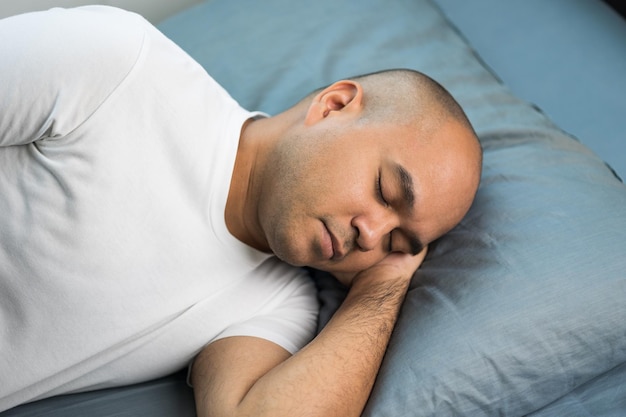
289,224
285,232
325,173
341,192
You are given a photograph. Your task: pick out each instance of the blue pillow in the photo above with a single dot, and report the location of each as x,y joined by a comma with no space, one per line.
524,302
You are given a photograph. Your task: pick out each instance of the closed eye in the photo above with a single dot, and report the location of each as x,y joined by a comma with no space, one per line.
379,191
381,198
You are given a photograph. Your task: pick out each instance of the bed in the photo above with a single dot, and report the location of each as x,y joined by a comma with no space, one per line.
521,309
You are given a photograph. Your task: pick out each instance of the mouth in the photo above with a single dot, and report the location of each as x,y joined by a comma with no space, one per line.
330,245
328,250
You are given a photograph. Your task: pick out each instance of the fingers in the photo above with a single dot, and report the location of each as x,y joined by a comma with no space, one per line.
405,260
394,263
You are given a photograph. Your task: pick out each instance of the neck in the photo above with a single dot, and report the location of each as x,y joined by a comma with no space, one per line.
242,202
257,139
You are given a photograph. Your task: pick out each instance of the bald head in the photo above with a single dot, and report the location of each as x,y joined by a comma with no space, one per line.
376,164
410,98
407,97
403,96
413,100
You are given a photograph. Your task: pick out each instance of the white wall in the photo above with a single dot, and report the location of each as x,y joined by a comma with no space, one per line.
153,10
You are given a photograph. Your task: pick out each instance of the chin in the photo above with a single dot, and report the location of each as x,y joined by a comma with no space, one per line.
287,254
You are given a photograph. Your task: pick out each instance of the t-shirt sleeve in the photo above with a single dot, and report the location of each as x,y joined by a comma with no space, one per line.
60,65
289,318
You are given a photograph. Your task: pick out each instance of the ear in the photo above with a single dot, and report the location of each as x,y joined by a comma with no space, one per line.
342,97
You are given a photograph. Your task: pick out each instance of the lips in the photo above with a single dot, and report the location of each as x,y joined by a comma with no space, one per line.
328,249
331,247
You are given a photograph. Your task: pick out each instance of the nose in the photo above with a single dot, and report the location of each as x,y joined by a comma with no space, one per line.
371,229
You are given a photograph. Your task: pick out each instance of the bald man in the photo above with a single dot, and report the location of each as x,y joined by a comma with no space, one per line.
149,220
356,180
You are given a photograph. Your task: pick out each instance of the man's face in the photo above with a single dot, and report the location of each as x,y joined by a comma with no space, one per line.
340,198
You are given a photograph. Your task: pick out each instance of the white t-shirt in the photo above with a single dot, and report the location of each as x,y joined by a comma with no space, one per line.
116,266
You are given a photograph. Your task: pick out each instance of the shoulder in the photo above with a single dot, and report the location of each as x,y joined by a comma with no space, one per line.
62,64
88,33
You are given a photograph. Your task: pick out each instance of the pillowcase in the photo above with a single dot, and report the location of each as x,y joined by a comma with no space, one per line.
523,302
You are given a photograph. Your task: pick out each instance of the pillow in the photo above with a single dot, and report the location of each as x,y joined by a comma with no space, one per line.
523,302
570,59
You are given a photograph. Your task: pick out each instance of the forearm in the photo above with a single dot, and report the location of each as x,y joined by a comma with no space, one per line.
334,374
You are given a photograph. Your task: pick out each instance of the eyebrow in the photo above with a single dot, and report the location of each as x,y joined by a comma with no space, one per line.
406,184
408,195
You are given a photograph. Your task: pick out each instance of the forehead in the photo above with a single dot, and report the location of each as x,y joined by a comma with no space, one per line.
440,175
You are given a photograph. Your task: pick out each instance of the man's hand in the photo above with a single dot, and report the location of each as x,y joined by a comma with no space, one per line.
331,376
393,266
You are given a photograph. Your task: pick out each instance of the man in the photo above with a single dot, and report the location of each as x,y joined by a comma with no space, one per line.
148,219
